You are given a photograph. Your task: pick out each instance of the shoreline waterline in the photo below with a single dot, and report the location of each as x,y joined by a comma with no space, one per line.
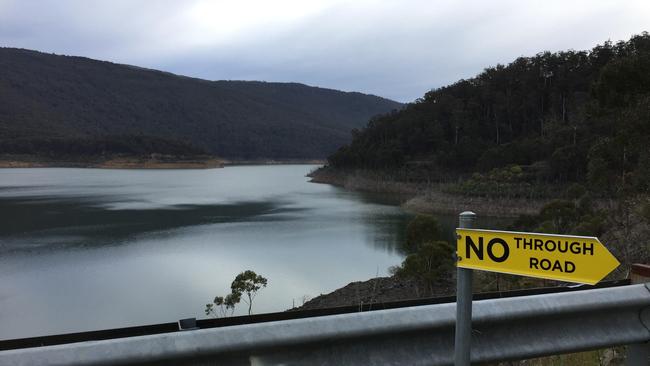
430,198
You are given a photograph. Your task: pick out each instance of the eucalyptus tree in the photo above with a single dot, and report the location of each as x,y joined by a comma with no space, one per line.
249,283
223,306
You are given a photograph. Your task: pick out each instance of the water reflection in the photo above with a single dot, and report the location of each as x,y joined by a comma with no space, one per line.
84,249
77,220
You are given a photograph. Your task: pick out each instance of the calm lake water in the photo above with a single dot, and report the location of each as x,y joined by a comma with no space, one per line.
86,249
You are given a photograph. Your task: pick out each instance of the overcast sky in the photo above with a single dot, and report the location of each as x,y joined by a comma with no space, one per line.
396,49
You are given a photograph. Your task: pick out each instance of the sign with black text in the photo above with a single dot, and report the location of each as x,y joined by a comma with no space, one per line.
579,259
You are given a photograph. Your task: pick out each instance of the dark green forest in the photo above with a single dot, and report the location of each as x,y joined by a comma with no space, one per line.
48,102
553,118
570,129
106,146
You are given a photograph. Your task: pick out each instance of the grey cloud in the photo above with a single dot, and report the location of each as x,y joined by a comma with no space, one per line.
393,49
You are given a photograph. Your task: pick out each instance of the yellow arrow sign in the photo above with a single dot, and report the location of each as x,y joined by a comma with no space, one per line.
579,259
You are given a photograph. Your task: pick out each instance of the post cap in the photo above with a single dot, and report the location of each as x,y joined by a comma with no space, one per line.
466,220
187,324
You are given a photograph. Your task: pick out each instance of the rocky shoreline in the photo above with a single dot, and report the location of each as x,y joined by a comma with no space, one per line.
275,162
376,290
428,198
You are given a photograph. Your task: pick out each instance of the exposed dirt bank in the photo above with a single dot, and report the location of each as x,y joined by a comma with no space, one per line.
428,198
376,290
274,162
154,162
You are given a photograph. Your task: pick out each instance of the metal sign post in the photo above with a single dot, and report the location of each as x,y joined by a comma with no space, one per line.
570,258
463,334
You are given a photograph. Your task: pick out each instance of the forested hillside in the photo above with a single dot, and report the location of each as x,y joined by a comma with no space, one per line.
570,116
48,102
562,139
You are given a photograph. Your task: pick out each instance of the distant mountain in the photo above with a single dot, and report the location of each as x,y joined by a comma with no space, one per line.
50,97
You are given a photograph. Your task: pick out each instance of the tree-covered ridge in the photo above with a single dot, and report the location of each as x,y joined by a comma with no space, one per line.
45,96
571,116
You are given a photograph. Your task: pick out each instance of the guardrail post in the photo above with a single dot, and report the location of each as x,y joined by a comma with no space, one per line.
463,335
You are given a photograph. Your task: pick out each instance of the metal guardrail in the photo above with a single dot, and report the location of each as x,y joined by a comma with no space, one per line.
151,329
503,329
